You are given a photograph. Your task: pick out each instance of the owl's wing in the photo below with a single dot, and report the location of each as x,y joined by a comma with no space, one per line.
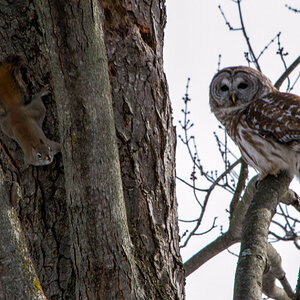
276,116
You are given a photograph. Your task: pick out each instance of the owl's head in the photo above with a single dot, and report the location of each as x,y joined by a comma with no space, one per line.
235,87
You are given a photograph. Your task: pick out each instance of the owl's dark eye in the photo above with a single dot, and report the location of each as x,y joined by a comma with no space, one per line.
224,88
242,85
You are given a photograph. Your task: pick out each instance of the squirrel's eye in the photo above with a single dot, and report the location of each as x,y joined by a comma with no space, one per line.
224,88
39,155
242,85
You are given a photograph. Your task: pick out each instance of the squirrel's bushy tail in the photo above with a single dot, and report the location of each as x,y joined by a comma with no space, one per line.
12,87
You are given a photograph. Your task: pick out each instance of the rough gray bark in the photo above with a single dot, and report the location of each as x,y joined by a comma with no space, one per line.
253,261
95,200
41,205
275,271
146,137
18,279
146,140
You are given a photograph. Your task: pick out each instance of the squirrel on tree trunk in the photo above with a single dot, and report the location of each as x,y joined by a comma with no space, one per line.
21,122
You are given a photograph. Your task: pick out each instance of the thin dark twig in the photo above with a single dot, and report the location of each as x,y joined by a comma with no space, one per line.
254,59
240,187
225,151
210,229
279,238
232,253
286,219
194,178
187,139
207,197
190,185
268,45
188,221
226,21
287,216
282,55
292,9
279,225
296,80
219,62
220,143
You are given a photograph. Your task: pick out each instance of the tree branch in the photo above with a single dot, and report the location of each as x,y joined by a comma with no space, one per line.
231,237
271,290
276,272
247,38
240,186
287,72
207,197
291,198
253,254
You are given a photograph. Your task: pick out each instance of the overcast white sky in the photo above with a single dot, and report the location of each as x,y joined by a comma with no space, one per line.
195,36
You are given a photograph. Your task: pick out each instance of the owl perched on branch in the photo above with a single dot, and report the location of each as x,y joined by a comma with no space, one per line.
263,122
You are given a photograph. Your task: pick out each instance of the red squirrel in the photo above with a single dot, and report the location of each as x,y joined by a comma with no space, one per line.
21,122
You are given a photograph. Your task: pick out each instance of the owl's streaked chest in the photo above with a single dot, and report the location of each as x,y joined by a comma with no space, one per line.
230,119
264,154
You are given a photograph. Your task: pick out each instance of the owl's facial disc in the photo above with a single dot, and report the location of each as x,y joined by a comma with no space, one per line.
235,90
243,88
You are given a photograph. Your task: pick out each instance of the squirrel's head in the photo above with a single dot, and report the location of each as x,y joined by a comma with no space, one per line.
41,154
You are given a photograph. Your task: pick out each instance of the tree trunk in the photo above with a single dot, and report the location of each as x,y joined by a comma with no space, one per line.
147,139
41,204
95,200
104,262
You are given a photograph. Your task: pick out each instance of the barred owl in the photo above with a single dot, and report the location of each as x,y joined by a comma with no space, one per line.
263,122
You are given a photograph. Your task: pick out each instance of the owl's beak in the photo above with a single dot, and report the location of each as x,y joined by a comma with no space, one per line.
233,98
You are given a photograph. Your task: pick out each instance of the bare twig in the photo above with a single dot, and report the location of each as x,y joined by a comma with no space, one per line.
268,45
254,59
206,200
219,62
240,187
227,239
226,21
292,9
253,254
190,185
279,238
282,55
243,29
286,219
210,229
295,81
188,221
291,218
